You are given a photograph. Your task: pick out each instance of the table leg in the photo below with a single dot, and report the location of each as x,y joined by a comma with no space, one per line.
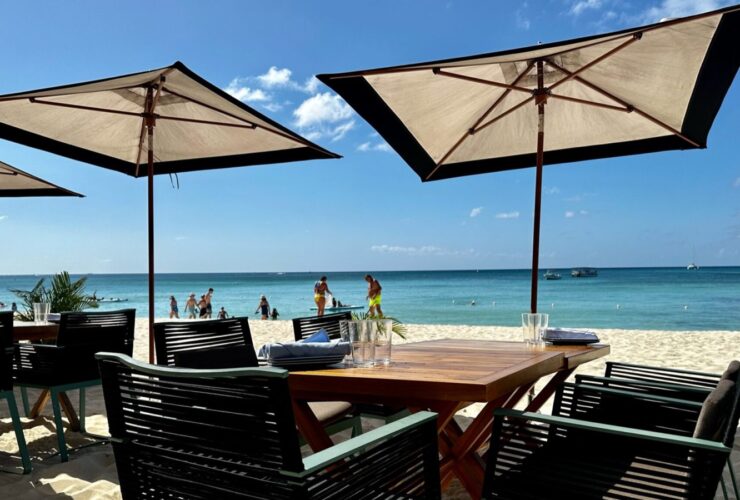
312,430
74,422
39,404
549,390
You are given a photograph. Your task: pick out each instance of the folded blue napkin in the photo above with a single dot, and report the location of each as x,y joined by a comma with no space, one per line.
320,336
305,349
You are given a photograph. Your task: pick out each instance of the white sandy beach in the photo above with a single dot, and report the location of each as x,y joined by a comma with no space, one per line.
91,474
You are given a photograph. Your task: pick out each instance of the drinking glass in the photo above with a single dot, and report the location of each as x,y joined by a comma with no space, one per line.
41,312
534,326
344,328
363,343
383,336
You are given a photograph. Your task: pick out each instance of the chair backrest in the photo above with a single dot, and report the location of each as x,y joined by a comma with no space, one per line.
6,351
719,414
111,331
175,339
200,433
305,327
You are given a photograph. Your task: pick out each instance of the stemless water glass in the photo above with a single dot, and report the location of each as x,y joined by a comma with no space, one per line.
383,336
41,312
344,328
534,326
363,343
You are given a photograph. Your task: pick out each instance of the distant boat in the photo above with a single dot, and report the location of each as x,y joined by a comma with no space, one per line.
584,272
692,267
549,275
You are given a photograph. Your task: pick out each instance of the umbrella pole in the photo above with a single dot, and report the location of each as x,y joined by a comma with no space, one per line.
150,215
540,99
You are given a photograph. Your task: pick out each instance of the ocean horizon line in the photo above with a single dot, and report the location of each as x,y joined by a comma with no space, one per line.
369,271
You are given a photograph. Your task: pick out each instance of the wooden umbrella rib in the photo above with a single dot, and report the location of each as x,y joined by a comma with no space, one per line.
607,54
442,72
505,113
205,122
86,108
624,103
471,130
591,103
255,125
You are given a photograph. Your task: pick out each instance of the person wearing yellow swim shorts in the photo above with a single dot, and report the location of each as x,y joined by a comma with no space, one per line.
373,296
320,289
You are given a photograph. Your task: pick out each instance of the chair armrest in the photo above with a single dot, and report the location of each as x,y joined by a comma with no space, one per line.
325,458
661,437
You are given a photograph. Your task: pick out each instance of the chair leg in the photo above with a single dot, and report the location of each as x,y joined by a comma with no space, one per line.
724,488
82,409
60,428
18,428
356,426
24,400
733,478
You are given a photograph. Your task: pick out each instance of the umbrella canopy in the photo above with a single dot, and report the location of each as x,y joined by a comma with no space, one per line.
16,183
112,122
652,88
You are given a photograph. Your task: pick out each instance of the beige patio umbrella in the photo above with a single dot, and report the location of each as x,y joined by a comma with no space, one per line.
162,121
639,90
15,183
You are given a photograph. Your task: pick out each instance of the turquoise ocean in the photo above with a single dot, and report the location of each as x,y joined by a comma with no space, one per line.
634,298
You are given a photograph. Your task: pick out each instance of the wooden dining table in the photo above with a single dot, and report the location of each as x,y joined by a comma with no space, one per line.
444,376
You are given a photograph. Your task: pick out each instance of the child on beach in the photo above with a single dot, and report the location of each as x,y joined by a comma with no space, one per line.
222,314
174,313
263,307
274,314
190,306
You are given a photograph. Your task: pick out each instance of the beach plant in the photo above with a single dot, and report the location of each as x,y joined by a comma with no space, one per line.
63,295
398,327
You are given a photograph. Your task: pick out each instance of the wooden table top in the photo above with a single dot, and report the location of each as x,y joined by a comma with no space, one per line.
27,330
447,370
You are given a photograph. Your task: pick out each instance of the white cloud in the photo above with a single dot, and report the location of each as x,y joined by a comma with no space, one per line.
273,107
420,251
369,146
569,214
323,107
580,6
275,77
736,183
312,85
507,215
522,21
476,211
180,238
680,8
3,217
341,130
236,88
551,190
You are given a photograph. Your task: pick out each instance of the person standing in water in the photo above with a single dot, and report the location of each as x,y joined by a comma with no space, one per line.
174,312
209,307
190,306
320,289
263,307
373,296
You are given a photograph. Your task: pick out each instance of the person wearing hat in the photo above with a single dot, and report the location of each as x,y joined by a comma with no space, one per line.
190,306
263,307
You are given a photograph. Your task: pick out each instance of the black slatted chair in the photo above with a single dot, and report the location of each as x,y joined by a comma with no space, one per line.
70,363
230,433
661,374
227,343
218,343
607,442
6,384
305,327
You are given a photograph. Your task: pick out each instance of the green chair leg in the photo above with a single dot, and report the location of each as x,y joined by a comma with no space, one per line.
724,488
24,400
18,428
58,422
82,409
356,426
733,478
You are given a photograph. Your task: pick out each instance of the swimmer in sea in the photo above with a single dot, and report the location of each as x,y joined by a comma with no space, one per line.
320,289
373,296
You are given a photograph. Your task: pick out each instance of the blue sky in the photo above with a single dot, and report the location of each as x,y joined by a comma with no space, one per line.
367,211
